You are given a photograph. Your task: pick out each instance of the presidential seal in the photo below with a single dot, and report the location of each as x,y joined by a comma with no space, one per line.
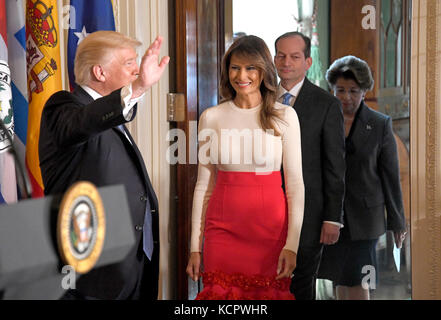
6,114
81,226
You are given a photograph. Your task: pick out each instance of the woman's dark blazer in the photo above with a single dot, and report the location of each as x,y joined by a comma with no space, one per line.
372,177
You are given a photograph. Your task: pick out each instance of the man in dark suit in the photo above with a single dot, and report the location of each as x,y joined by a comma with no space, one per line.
322,136
83,137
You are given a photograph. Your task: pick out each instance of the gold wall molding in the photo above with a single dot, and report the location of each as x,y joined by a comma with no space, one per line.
425,150
432,143
144,20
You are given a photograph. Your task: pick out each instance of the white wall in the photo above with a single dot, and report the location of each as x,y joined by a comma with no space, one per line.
145,20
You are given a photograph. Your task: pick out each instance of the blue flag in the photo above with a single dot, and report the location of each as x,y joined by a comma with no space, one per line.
86,17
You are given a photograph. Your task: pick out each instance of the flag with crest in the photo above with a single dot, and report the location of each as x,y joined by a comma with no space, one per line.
44,75
8,187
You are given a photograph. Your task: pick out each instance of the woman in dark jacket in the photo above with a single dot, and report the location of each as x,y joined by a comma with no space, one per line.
372,183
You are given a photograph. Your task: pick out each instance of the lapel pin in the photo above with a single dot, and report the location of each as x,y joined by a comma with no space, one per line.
368,127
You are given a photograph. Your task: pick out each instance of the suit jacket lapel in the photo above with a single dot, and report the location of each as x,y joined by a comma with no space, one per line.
303,98
363,126
85,99
150,193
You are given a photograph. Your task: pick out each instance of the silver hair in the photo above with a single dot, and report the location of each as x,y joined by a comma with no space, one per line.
351,64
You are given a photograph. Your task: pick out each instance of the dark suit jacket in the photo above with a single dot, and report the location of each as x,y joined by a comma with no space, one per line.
372,177
323,159
79,141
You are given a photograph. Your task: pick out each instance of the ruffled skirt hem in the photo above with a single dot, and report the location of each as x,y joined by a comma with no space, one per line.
223,286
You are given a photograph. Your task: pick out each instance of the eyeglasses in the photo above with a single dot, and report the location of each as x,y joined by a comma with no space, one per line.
352,92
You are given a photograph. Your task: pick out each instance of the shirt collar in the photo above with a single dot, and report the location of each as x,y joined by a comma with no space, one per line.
294,91
95,95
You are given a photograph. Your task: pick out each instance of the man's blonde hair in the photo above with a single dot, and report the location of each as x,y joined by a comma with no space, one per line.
97,49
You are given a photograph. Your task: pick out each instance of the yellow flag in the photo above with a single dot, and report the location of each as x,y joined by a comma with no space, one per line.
44,75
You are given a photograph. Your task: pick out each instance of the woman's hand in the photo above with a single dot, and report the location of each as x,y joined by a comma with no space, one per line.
287,264
399,238
194,266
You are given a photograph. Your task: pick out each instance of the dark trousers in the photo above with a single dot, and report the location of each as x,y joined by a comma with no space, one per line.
305,273
149,283
146,289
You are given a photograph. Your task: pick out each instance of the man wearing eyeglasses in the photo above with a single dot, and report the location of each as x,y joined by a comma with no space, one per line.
323,149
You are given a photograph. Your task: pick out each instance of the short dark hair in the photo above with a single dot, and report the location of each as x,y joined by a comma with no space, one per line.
307,40
347,75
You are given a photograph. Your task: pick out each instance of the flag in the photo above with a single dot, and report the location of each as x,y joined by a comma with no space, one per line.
17,64
8,185
86,17
44,75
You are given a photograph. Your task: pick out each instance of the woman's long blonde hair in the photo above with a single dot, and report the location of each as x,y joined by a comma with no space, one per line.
254,49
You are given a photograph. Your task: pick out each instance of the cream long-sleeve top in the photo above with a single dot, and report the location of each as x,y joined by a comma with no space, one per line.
231,139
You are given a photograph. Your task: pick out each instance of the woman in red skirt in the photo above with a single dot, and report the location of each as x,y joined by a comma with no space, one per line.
243,223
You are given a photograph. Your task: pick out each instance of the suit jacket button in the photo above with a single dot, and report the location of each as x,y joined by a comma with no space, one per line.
138,228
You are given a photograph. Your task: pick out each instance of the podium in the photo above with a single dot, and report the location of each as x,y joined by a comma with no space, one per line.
30,263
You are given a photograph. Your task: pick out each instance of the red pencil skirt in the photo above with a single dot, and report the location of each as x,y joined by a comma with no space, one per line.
245,231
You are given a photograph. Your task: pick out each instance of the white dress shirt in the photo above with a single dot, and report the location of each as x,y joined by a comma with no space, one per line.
126,99
294,92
